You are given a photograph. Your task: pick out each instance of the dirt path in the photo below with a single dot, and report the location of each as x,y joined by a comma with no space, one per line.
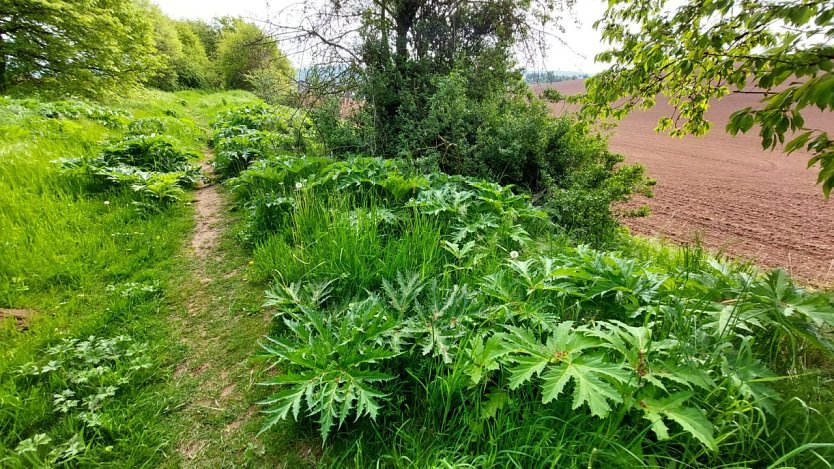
208,205
219,324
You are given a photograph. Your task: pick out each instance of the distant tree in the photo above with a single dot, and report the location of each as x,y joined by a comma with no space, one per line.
169,50
194,69
401,49
436,82
182,58
83,47
209,34
271,84
705,50
244,50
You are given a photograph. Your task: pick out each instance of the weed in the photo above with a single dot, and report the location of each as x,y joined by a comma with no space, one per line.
442,320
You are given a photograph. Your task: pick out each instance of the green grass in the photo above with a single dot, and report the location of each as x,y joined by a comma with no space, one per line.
88,263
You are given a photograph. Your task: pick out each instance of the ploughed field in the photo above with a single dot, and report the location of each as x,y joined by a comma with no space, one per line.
737,198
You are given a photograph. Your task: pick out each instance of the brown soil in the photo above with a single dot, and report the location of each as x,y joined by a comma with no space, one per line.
20,316
208,204
741,200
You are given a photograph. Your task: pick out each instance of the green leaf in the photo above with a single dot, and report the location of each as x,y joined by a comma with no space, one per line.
589,375
495,402
524,369
691,419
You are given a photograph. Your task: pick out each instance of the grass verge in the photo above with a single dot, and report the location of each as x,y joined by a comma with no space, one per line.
88,380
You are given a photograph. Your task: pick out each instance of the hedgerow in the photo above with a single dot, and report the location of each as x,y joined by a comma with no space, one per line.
427,319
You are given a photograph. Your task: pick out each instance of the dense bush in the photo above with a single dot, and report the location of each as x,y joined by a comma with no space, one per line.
243,49
507,137
250,133
150,165
441,320
468,208
77,109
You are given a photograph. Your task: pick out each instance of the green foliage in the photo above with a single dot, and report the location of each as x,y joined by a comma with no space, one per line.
436,84
151,165
273,85
246,57
336,353
182,56
435,318
509,137
194,68
704,51
471,209
82,377
659,365
405,48
97,280
81,47
76,109
250,133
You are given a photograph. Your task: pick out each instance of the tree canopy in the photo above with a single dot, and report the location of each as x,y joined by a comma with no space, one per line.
707,49
99,47
183,62
74,46
399,51
243,51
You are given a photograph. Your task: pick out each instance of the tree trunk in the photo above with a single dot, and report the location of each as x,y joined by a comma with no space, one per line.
3,66
406,14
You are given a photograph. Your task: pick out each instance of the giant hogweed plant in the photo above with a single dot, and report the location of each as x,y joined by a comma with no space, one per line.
578,328
330,358
470,209
152,166
243,136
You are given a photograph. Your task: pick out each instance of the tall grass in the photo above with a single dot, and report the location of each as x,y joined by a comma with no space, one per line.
89,267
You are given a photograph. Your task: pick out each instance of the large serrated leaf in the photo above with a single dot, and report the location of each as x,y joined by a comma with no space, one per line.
692,420
590,375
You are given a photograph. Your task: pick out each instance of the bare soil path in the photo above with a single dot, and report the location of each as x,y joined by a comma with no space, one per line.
219,323
208,205
739,199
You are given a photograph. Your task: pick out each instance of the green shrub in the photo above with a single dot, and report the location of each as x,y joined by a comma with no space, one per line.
150,165
76,109
248,134
469,208
147,126
507,137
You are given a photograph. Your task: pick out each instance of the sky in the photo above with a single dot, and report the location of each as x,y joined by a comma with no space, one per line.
581,42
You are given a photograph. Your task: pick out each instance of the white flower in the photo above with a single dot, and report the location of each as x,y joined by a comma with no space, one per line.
106,202
298,186
513,254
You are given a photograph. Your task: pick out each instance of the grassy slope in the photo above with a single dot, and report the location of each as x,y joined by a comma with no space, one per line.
88,264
